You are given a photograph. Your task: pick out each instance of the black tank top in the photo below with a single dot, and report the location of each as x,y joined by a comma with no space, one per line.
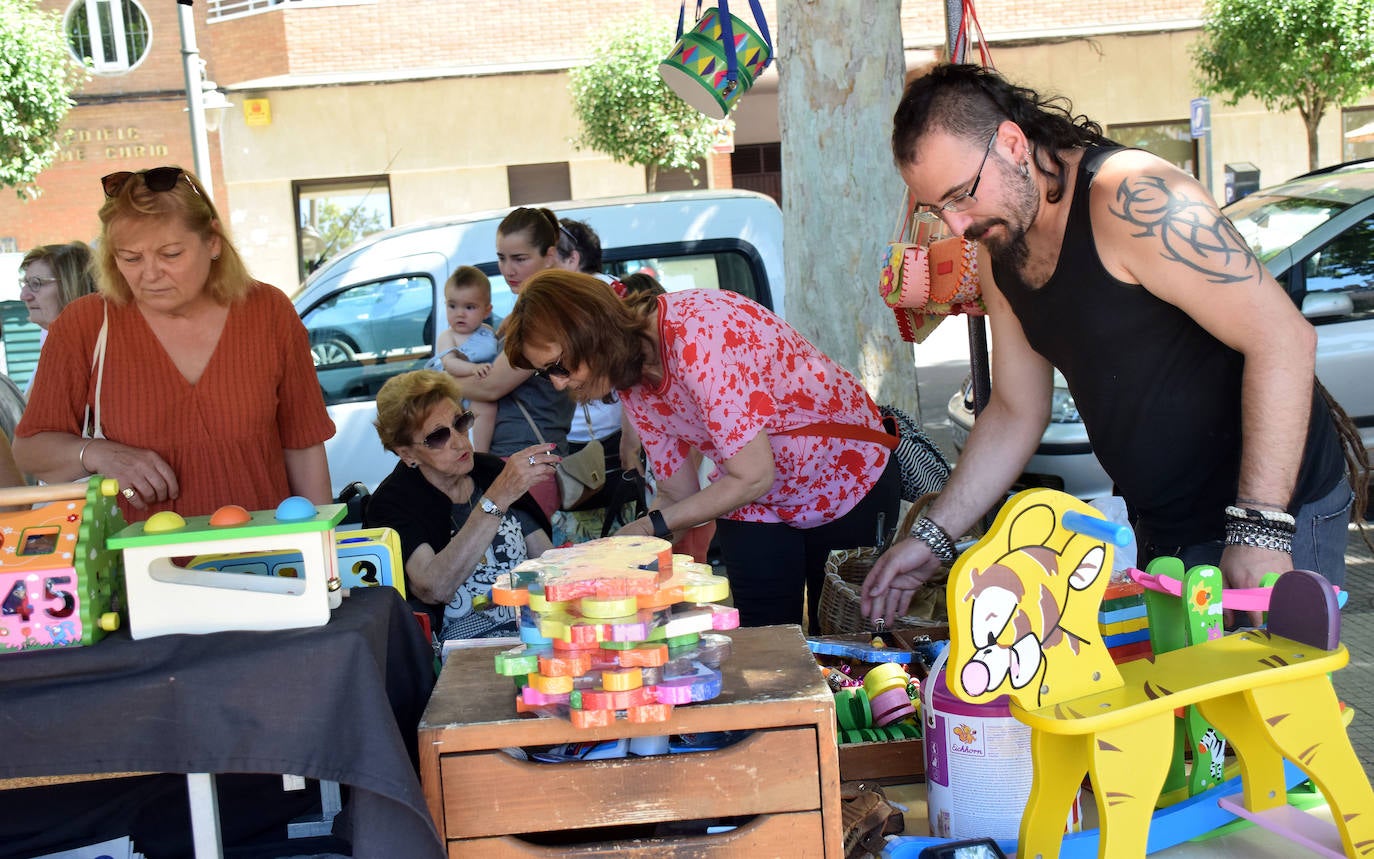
1160,396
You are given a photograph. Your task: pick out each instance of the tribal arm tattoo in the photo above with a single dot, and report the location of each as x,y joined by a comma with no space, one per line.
1192,232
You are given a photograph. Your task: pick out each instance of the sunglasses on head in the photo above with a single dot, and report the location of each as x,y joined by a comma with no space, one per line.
439,438
553,370
159,179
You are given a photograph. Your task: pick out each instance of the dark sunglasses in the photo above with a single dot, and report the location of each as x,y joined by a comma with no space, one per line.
439,438
159,179
554,370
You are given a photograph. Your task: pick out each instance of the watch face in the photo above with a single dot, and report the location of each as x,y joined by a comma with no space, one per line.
489,506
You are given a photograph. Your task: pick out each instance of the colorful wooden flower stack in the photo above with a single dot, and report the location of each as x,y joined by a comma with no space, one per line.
616,626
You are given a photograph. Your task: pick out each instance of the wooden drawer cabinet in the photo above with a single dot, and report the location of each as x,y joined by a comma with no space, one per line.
785,774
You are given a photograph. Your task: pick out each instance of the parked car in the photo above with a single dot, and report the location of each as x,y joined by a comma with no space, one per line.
1315,233
371,311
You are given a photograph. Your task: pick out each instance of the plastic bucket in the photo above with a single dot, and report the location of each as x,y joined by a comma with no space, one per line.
978,765
696,68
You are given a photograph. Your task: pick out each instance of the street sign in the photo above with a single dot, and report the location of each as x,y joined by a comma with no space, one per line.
1199,117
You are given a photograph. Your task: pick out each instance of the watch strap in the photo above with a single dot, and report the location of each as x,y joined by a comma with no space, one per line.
661,529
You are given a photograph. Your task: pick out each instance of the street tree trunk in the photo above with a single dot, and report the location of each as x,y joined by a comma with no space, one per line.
841,69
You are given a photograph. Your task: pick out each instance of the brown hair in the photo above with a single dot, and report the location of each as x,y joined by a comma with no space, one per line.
469,277
405,399
188,202
71,264
541,224
580,314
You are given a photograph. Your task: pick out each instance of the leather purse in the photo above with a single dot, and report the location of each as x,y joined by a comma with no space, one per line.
580,475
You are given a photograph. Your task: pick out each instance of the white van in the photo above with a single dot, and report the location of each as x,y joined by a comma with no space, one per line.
372,310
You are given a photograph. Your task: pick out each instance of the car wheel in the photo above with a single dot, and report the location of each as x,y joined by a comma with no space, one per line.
331,351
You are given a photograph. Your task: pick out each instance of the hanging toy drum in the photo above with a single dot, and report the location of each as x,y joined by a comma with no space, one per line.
719,60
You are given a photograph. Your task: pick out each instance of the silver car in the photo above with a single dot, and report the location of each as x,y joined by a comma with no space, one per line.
1315,233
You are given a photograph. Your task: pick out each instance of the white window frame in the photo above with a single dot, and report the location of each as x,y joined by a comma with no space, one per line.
91,10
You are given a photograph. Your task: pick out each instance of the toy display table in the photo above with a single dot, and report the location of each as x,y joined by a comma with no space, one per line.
334,702
785,775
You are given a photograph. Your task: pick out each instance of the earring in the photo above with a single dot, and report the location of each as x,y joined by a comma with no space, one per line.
215,257
412,465
1025,170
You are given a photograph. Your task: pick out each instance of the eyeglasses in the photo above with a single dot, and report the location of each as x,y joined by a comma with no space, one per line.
438,439
159,179
959,202
553,370
33,282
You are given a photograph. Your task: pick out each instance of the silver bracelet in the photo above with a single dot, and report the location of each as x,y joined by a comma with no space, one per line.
928,531
81,457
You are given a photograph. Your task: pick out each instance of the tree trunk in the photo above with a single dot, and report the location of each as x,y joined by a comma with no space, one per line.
651,177
1312,143
841,71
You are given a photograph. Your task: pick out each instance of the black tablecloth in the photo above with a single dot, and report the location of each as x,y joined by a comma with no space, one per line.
337,702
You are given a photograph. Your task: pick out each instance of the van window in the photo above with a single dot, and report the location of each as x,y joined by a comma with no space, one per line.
737,269
365,334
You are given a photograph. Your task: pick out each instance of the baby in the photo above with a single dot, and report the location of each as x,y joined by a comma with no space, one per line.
468,346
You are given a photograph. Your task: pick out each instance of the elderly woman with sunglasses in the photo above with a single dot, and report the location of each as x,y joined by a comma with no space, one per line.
802,464
185,379
463,517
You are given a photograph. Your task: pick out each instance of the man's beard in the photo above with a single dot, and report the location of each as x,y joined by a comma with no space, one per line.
1008,248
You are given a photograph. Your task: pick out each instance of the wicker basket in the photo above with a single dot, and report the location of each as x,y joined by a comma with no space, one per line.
845,570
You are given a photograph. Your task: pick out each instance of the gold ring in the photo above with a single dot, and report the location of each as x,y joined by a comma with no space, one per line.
128,492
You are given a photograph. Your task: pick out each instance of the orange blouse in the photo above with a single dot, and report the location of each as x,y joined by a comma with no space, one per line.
223,436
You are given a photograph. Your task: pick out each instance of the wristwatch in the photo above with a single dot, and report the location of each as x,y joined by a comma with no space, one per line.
489,506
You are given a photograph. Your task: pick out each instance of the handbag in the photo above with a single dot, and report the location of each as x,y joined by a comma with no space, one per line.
926,277
580,475
923,466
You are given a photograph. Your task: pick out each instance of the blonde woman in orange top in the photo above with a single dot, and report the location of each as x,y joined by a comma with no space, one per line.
207,393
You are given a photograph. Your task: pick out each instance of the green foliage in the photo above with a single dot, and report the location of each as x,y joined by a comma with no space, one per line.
36,74
1303,55
626,109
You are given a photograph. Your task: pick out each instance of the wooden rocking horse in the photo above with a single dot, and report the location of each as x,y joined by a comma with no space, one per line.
1023,604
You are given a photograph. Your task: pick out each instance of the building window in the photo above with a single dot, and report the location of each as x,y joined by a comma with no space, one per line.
538,183
1357,133
1169,140
110,36
758,167
335,213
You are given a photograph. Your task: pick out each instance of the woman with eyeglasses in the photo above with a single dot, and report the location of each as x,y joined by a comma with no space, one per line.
53,276
528,409
463,517
185,379
803,465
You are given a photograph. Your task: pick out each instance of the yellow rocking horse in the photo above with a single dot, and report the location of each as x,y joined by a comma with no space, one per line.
1023,608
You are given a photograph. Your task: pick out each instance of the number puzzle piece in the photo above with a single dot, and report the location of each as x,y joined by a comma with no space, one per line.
608,568
649,713
519,661
565,664
536,698
690,582
550,685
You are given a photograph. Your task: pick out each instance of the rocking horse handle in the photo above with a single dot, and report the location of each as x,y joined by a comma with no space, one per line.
1100,529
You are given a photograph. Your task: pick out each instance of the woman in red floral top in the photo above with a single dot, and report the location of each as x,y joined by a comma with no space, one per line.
714,371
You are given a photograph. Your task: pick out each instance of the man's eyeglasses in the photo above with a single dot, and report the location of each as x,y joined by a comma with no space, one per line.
33,282
553,370
438,439
959,202
159,179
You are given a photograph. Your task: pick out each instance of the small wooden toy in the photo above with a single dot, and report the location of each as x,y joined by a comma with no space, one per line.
368,558
166,597
1025,593
59,582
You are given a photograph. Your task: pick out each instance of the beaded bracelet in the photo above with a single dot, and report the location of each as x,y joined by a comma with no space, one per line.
1274,518
928,531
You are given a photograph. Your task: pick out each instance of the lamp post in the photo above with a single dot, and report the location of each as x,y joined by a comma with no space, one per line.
195,95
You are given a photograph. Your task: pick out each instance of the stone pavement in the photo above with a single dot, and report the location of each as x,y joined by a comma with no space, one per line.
1355,683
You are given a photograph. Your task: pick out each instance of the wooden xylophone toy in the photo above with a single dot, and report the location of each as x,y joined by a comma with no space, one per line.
615,626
